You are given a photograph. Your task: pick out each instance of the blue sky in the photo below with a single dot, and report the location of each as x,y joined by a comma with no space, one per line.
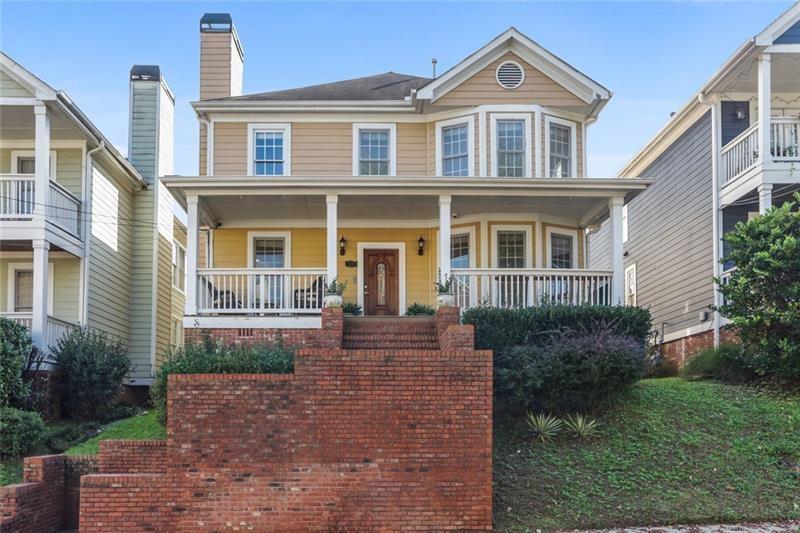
652,55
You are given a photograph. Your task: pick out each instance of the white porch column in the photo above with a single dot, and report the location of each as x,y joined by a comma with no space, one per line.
617,259
444,236
191,255
332,202
764,197
41,273
764,105
42,160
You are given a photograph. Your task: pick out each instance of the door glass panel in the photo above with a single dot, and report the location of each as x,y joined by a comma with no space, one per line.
23,291
381,268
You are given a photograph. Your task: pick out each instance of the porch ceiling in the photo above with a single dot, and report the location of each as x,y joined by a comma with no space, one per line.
785,72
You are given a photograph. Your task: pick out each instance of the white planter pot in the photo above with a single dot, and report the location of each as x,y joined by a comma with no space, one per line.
446,300
332,300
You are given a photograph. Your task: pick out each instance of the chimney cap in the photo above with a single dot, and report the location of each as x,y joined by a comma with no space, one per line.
145,73
216,23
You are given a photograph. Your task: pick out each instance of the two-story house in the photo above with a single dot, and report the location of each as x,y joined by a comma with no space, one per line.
87,237
391,181
728,154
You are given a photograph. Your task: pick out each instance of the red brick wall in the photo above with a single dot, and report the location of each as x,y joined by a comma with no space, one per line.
354,440
133,456
681,350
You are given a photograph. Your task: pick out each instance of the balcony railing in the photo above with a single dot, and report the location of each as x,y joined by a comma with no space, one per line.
513,288
54,329
741,154
260,291
18,198
64,209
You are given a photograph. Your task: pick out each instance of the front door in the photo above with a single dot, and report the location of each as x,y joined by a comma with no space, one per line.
381,274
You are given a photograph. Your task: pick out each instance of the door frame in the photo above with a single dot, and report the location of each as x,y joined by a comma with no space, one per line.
401,285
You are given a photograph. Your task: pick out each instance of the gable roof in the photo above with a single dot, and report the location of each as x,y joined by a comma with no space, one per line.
526,48
386,86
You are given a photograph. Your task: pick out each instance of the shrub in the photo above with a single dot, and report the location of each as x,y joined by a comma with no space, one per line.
351,308
571,372
762,294
20,431
208,357
419,310
544,427
499,329
15,345
93,367
725,363
582,426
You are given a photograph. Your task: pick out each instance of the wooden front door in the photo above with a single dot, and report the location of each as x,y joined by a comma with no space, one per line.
381,282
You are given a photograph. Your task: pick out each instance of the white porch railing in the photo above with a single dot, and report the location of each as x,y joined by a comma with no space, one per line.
16,196
260,290
64,209
739,155
512,288
54,329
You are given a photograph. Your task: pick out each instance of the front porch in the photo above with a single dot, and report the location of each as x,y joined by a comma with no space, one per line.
262,259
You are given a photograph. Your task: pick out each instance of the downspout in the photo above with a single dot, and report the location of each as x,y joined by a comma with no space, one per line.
716,223
87,210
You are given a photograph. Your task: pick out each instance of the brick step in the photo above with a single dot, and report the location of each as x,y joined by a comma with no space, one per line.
431,337
390,346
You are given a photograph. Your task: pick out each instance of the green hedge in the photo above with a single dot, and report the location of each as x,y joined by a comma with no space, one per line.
20,431
500,329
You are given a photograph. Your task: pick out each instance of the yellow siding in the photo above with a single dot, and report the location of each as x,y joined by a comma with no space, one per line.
322,149
482,88
230,149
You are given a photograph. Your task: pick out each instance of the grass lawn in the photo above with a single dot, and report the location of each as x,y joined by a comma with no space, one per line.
142,427
673,451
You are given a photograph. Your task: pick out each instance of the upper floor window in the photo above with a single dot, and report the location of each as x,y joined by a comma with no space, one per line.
269,149
374,149
178,266
24,162
510,148
454,147
561,149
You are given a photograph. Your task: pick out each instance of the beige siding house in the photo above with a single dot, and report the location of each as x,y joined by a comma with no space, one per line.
390,182
86,235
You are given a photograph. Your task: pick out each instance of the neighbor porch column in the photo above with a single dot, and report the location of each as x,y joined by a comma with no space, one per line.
331,242
191,255
41,274
41,154
764,197
764,96
617,259
444,237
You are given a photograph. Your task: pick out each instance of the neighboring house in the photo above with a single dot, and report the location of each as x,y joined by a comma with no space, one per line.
87,236
367,180
728,154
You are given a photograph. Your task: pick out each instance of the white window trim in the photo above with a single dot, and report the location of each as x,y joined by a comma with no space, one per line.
630,299
182,247
287,252
528,229
565,233
526,117
549,119
392,129
625,223
470,231
284,128
16,154
401,248
440,125
12,287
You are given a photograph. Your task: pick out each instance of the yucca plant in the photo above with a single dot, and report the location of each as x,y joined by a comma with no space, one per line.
545,426
582,426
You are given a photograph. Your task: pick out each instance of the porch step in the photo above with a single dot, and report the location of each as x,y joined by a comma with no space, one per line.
398,333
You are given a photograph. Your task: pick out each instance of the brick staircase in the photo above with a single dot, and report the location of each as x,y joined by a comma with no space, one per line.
390,333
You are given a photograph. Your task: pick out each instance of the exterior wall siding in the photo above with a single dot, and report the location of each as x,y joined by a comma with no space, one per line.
69,166
670,236
11,89
790,36
322,149
732,126
66,284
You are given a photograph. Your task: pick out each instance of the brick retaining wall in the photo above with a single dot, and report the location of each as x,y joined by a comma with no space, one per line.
679,351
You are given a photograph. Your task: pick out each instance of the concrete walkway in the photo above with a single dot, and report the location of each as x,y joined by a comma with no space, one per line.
772,527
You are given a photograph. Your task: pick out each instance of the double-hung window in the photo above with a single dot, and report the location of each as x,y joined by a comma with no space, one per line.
511,249
510,148
23,291
269,149
178,266
373,153
562,251
630,285
455,150
561,149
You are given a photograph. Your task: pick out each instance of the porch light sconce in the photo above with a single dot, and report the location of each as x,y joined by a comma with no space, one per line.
342,245
420,245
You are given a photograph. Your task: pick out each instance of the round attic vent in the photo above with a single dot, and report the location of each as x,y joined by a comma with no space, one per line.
510,75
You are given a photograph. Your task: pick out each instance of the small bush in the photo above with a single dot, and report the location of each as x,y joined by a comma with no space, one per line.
726,363
500,329
419,310
544,427
351,308
208,357
93,367
571,372
20,431
582,426
15,345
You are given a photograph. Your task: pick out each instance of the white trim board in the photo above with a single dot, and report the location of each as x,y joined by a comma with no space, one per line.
401,248
391,127
277,322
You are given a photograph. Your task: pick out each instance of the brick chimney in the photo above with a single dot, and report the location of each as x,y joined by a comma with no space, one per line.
221,57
